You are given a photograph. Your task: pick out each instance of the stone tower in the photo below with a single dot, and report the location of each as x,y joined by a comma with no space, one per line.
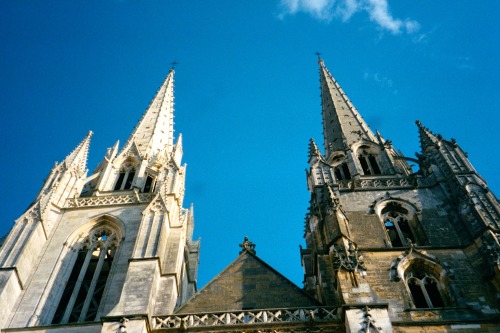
398,250
387,249
95,249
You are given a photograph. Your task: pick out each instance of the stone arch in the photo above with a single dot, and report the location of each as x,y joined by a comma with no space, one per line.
425,280
368,155
81,276
401,221
126,174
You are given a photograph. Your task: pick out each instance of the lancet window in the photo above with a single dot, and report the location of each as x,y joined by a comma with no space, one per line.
125,177
342,172
369,164
149,185
425,290
401,224
85,286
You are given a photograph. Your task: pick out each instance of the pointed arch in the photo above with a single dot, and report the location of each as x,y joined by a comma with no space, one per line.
126,174
92,249
368,156
426,281
401,221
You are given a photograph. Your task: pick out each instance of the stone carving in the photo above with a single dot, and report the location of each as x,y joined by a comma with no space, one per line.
247,246
386,183
349,259
298,315
492,253
109,200
368,322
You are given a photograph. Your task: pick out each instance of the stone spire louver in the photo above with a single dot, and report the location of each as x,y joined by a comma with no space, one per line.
342,124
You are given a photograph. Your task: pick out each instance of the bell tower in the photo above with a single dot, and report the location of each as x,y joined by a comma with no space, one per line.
92,250
387,244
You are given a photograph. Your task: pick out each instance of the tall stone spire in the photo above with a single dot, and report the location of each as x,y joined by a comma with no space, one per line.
342,124
155,130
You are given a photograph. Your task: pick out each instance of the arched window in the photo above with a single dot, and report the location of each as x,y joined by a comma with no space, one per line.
342,172
424,290
149,185
401,224
398,229
369,164
368,157
84,289
125,177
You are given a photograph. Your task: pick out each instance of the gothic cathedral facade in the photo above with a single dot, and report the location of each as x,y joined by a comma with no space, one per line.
387,249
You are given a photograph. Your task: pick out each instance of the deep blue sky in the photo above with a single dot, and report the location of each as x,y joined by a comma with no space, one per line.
247,96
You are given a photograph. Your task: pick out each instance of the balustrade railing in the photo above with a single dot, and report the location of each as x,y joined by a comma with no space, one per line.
247,317
365,184
109,200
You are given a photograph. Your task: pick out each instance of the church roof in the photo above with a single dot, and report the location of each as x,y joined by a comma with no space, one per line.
247,283
342,123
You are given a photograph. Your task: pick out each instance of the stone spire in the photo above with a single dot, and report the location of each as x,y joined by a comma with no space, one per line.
155,130
78,157
342,124
427,138
314,150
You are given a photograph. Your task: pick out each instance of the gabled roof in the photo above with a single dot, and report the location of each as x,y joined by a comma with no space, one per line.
247,283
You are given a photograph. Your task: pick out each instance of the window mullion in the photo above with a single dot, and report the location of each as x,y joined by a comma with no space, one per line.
424,290
95,277
79,281
400,234
124,181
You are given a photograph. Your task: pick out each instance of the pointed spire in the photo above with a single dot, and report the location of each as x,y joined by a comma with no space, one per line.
427,138
313,150
78,157
155,130
342,124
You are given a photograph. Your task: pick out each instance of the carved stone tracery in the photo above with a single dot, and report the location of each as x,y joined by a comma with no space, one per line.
347,259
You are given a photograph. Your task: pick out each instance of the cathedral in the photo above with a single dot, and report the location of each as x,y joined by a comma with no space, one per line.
387,249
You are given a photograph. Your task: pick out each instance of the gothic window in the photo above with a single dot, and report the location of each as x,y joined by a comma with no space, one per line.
125,177
424,290
401,224
369,164
398,229
342,172
150,184
84,289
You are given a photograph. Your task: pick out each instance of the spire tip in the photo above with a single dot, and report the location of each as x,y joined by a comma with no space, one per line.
320,61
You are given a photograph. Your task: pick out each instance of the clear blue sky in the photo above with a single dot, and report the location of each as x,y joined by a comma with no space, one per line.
247,96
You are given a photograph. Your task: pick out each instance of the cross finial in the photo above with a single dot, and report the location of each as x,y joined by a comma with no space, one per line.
173,63
320,61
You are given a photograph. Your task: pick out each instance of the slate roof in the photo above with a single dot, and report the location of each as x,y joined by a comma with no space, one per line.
247,283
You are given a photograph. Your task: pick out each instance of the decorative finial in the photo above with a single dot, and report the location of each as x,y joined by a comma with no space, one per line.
247,246
173,63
